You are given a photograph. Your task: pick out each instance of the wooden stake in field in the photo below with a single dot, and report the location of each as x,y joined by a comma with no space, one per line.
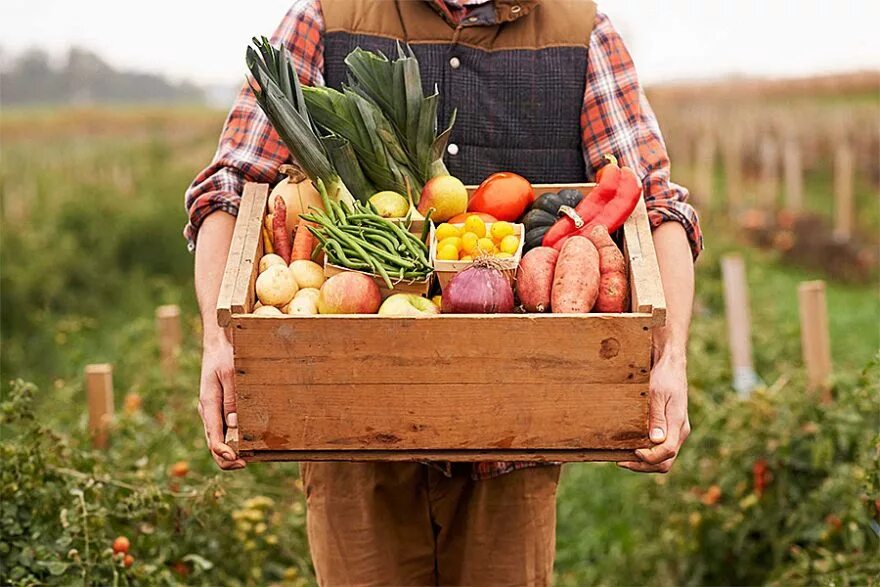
168,330
794,176
99,394
769,184
736,306
704,174
844,166
815,343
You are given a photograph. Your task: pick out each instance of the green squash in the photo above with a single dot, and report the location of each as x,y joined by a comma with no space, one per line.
544,212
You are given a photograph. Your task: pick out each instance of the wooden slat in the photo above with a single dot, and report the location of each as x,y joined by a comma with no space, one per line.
442,416
243,291
473,349
541,456
645,285
236,256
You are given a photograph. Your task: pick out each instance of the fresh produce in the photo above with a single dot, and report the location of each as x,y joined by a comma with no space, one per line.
534,278
357,238
474,238
446,195
461,218
349,293
302,306
303,243
408,305
544,212
276,286
308,274
503,195
308,293
576,277
481,288
267,261
613,283
298,193
267,240
390,204
268,311
281,235
121,545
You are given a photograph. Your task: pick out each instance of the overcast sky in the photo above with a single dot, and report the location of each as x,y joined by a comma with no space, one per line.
670,39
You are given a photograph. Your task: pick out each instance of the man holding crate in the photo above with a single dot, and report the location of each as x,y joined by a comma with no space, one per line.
544,88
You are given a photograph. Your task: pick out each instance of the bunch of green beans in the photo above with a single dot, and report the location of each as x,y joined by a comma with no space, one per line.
356,237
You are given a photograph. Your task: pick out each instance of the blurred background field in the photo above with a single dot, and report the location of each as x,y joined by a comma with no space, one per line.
778,488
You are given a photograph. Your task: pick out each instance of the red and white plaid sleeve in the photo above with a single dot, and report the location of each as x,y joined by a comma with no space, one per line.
616,118
249,148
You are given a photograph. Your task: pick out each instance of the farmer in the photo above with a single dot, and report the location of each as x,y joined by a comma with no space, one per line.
543,88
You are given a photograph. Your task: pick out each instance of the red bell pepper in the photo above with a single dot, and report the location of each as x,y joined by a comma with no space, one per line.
590,207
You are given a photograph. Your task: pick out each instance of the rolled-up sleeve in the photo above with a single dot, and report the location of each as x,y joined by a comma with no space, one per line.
249,148
616,118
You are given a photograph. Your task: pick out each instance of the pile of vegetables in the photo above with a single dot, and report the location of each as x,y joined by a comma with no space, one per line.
357,237
474,237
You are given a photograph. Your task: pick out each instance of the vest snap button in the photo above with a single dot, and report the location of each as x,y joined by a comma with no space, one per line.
452,149
455,63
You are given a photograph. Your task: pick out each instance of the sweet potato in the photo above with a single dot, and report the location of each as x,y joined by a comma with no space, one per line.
576,277
534,278
613,282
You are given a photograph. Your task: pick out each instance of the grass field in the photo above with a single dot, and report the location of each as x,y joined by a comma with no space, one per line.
92,214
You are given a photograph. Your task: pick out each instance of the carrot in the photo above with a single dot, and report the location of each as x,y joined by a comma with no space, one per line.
267,241
303,242
279,229
613,283
576,277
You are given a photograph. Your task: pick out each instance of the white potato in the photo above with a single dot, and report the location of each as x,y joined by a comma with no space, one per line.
268,311
258,304
270,260
276,286
304,306
308,293
308,274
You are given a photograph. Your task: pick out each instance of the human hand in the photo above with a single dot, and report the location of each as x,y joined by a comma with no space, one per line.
217,400
668,424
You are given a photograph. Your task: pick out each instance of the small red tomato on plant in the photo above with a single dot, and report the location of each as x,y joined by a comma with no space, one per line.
128,561
121,545
503,195
179,469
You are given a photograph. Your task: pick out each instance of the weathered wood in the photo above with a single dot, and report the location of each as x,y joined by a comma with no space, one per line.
467,349
99,396
235,257
243,290
815,343
646,288
169,333
844,168
736,305
794,176
458,415
540,456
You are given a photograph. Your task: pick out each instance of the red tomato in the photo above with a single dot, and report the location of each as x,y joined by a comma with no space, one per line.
121,544
128,561
462,217
503,195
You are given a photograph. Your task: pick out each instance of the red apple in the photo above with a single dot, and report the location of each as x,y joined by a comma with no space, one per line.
349,293
446,195
408,305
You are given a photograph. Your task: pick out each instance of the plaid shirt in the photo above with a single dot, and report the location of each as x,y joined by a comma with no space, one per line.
615,118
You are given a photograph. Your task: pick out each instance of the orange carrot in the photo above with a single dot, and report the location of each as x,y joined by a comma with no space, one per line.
279,229
303,241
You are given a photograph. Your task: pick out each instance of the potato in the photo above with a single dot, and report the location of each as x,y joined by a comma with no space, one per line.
308,274
268,311
303,306
276,286
308,293
269,260
534,278
576,278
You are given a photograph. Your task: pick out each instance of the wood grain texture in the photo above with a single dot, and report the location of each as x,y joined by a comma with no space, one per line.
442,416
243,290
236,255
646,288
540,456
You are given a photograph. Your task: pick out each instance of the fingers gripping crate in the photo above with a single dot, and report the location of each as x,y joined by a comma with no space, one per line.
532,387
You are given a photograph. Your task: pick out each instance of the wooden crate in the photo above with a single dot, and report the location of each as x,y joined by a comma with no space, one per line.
547,387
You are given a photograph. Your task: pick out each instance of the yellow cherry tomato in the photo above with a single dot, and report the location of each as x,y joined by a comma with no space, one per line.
466,258
501,229
486,246
509,244
445,231
469,242
476,225
452,241
503,255
447,253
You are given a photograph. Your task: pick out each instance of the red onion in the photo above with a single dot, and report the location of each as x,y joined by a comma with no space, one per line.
479,289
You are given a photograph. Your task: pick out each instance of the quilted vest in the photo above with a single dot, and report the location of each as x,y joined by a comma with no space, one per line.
515,70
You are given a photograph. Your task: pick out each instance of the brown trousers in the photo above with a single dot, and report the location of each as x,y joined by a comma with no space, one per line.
408,524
